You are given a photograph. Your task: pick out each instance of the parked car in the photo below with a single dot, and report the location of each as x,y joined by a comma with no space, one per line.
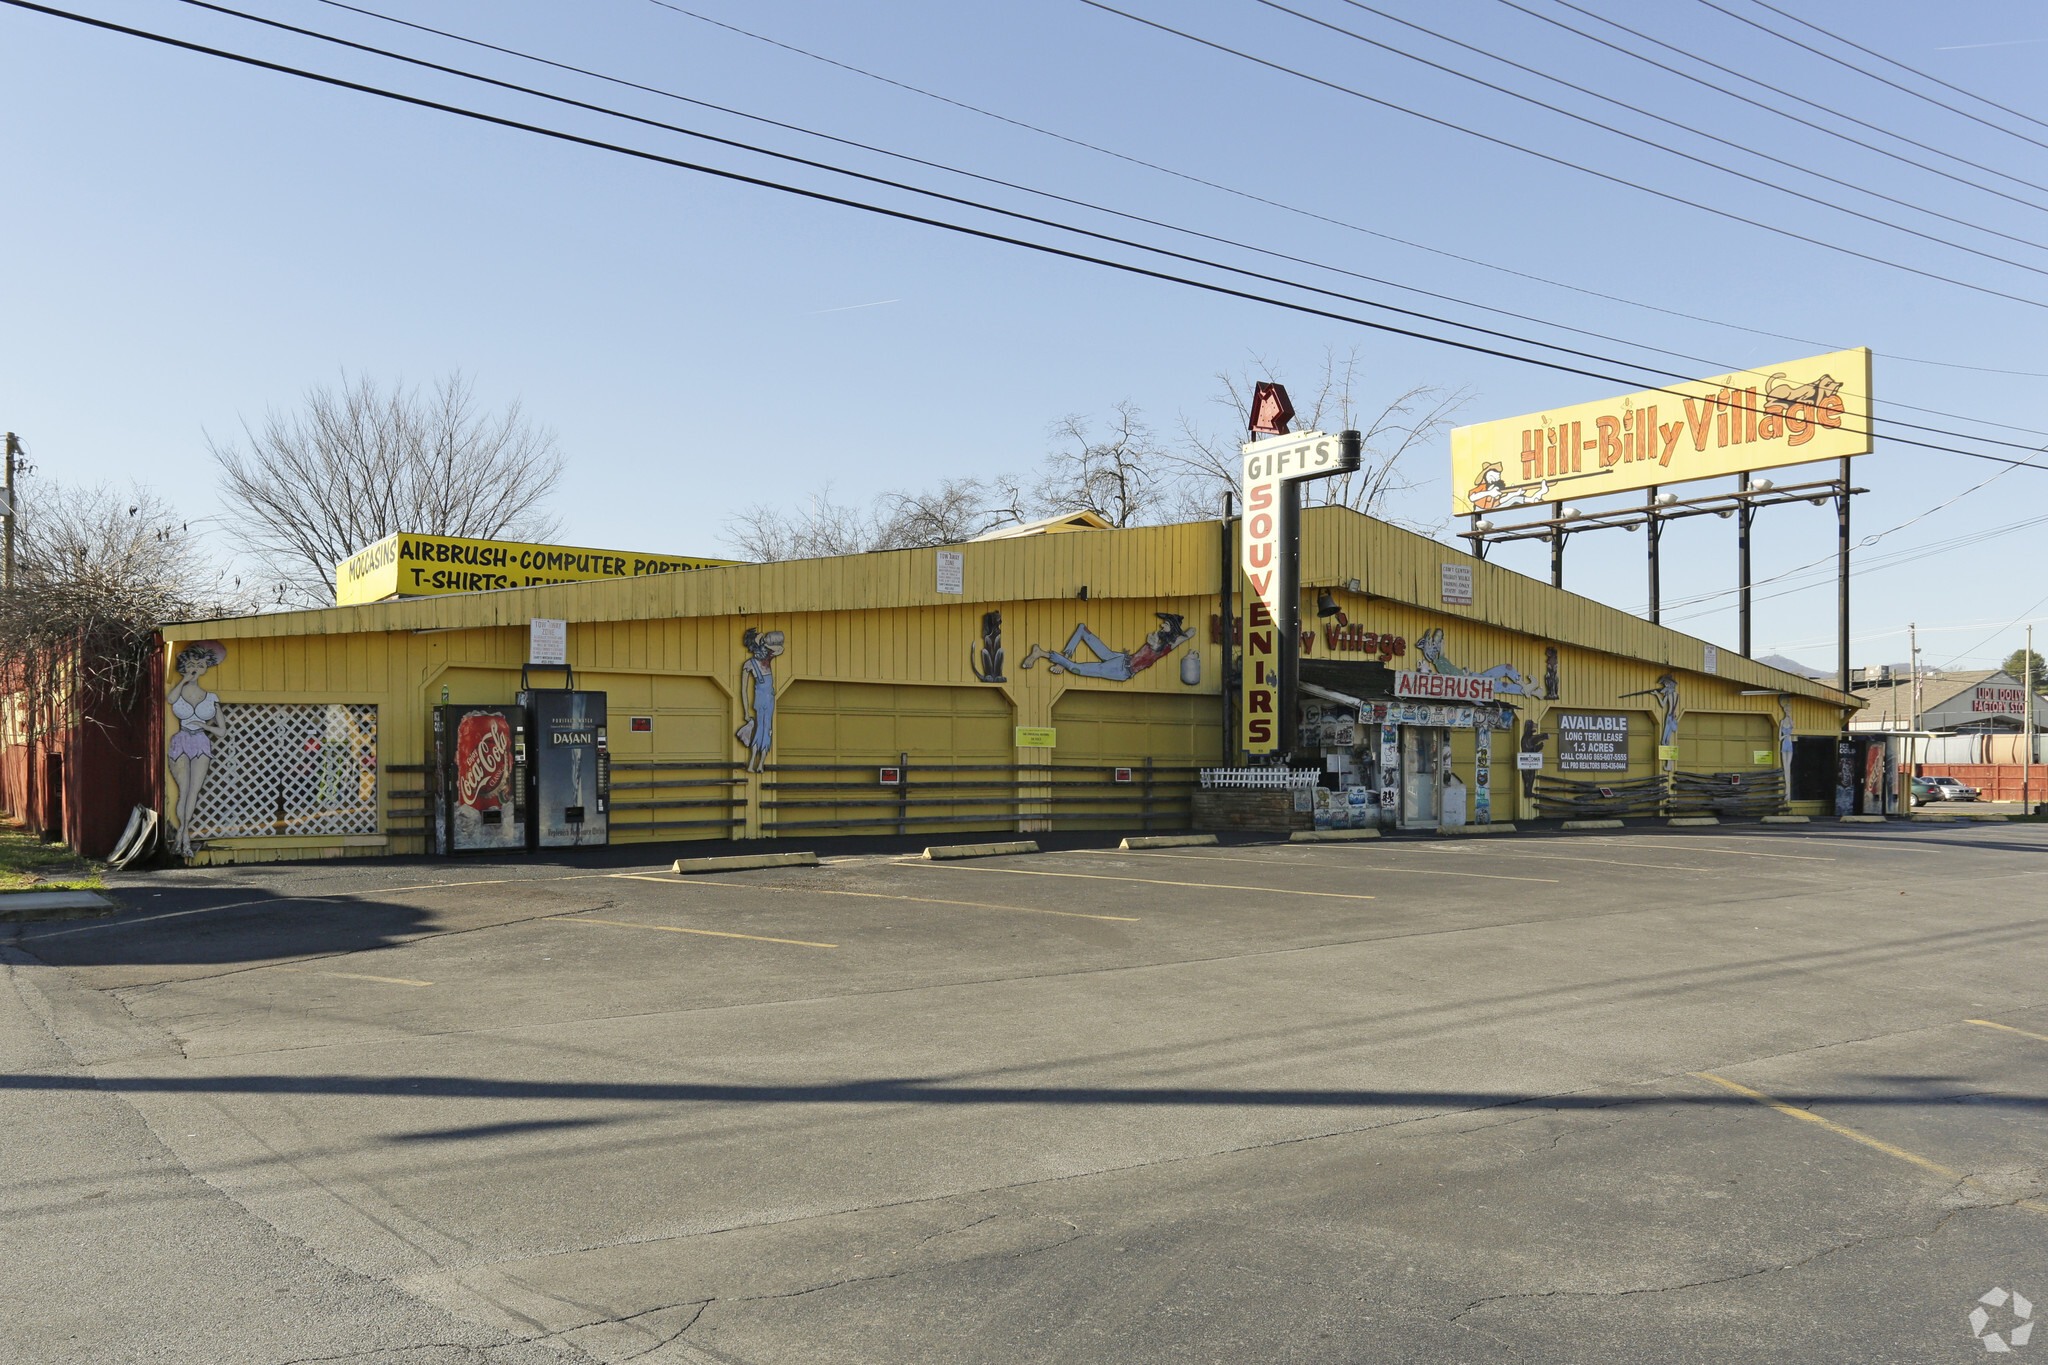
1942,789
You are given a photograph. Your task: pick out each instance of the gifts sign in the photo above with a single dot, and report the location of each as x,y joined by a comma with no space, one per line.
483,762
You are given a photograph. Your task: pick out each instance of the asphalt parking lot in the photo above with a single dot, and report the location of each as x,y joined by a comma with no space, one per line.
1735,1094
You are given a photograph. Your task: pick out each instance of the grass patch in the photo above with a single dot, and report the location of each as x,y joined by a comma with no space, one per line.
29,864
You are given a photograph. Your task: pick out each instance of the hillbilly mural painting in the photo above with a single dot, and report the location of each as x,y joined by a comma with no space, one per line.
1113,665
1506,677
1801,410
757,694
197,712
1666,693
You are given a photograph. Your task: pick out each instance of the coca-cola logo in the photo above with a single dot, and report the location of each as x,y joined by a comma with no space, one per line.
486,769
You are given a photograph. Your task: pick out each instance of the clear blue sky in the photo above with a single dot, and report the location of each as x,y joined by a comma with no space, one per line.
189,242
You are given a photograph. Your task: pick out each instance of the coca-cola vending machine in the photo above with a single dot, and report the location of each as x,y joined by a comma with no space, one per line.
569,767
480,778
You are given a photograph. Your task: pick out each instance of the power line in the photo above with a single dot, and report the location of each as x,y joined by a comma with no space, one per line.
1031,218
1776,90
1662,147
1847,65
1557,160
1711,364
1324,218
880,210
1771,109
1893,61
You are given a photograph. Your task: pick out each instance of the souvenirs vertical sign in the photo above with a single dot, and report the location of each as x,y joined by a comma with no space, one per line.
1273,470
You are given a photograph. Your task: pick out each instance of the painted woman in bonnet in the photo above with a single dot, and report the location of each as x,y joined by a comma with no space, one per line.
197,713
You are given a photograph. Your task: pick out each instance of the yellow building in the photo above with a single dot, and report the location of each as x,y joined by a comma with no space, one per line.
1043,681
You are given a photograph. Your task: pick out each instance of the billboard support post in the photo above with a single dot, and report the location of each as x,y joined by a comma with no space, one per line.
1842,585
1742,515
1653,530
1557,544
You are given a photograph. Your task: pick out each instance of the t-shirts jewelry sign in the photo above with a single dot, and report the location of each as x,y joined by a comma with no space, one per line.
1274,470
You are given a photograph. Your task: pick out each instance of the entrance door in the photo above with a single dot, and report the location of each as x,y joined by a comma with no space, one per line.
1422,754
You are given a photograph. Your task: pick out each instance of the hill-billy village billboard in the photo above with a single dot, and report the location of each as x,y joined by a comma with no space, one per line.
1802,410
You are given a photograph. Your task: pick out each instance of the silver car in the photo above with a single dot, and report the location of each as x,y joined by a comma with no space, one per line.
1948,789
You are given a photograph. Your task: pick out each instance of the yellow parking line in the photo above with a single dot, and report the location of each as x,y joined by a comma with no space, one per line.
1149,881
1790,1111
1269,862
883,896
357,976
1986,1023
673,929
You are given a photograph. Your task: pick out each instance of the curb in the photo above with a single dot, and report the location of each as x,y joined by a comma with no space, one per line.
1788,819
1592,824
1934,819
1861,819
18,907
1499,827
1330,836
1158,841
1694,820
941,852
744,862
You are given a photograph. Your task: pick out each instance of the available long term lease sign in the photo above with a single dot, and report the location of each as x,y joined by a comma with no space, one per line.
1790,413
1592,743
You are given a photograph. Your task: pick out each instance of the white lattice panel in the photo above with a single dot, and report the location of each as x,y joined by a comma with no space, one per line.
291,768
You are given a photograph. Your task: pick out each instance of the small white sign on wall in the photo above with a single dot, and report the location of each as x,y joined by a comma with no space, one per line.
952,571
1713,660
1455,586
547,642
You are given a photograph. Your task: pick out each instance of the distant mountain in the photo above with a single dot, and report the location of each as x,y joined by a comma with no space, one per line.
1779,661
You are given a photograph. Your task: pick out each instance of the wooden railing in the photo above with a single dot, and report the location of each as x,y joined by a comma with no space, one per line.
681,787
852,795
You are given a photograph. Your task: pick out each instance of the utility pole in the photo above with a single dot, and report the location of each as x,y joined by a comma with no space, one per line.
1913,639
7,556
2027,758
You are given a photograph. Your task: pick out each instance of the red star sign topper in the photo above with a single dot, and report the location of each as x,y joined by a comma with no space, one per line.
1271,411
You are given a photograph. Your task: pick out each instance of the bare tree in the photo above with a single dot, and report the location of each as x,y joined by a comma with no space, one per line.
1207,464
1117,475
95,574
355,464
955,511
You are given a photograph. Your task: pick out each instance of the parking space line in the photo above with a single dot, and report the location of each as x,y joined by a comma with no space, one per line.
1149,881
356,976
674,929
1271,862
1986,1023
884,896
1841,1130
1731,852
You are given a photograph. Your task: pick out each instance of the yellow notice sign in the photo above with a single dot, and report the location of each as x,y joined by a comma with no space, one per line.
1801,410
1667,752
1037,737
1763,758
405,565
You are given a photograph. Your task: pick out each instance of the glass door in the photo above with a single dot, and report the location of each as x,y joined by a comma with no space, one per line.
1421,760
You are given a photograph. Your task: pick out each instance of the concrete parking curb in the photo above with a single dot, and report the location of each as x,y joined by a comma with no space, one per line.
1331,836
1788,819
1168,841
1592,824
1500,827
1694,820
1861,819
1919,819
19,906
943,851
745,862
